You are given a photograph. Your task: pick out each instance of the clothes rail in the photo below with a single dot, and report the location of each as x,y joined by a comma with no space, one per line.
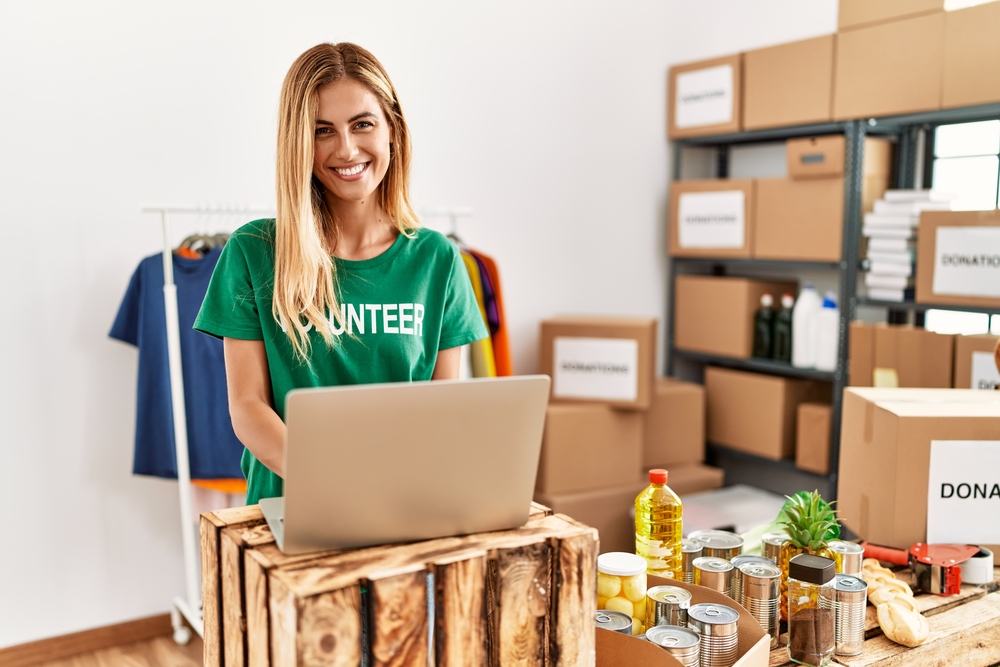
453,213
188,608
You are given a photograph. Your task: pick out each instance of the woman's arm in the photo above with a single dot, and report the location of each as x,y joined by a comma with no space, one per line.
257,425
448,362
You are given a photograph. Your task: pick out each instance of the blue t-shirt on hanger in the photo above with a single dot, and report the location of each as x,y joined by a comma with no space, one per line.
214,449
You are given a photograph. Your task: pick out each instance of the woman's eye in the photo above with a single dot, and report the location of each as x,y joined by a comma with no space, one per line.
323,130
364,125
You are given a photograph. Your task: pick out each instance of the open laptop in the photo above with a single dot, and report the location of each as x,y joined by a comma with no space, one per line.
383,463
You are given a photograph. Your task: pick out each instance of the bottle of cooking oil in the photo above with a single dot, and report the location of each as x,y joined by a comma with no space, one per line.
658,527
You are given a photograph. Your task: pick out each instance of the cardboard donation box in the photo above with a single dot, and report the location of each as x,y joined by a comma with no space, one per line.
600,359
906,356
618,650
714,315
756,413
975,365
920,465
704,97
711,218
693,478
799,219
889,68
675,424
861,353
788,84
958,258
585,447
812,439
854,13
971,56
608,510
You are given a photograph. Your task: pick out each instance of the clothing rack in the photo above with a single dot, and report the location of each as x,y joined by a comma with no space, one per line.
453,213
188,608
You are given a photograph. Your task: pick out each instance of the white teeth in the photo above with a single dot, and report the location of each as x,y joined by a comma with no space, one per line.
351,171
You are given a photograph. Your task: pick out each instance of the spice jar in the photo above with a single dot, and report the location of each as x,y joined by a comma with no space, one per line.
690,549
811,595
621,586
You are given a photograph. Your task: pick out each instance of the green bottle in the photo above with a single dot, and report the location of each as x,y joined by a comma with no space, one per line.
763,328
783,330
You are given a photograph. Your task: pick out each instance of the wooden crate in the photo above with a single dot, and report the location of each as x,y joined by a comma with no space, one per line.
518,597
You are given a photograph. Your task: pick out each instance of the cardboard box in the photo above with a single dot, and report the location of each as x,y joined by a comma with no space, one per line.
855,13
887,69
958,258
918,358
714,315
971,56
711,218
594,359
694,478
788,84
885,447
675,424
610,511
975,363
861,354
705,97
618,650
815,157
812,437
756,413
799,219
586,447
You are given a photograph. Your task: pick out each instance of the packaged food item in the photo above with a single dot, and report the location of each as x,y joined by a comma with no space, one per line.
763,328
621,586
666,605
690,549
771,544
811,595
614,621
658,526
848,557
680,642
714,573
848,604
736,582
717,626
718,543
760,594
783,330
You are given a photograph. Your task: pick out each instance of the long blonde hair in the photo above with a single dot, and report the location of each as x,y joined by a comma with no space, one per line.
305,280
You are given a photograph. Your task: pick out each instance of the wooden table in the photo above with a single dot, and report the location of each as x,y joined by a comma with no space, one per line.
965,630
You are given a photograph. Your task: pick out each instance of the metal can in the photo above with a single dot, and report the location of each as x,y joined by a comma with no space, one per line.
714,573
848,557
614,621
717,626
771,543
735,585
718,543
680,642
761,596
690,549
849,600
667,605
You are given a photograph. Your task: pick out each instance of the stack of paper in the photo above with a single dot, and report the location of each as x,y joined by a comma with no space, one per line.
891,230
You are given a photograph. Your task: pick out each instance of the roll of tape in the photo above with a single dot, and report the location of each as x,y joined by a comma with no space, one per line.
979,568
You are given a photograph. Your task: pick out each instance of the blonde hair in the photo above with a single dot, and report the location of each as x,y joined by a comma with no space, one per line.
305,280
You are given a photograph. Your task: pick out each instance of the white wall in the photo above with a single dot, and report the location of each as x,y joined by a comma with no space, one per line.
546,118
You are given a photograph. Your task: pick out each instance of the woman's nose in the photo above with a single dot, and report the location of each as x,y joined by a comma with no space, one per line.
346,147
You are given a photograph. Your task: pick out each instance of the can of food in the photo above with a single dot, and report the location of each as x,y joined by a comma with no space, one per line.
718,543
680,642
717,626
772,543
736,582
761,595
690,549
849,600
667,605
714,573
848,557
614,621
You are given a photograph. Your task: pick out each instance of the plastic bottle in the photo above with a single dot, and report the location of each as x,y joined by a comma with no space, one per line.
783,329
658,513
827,334
804,326
763,328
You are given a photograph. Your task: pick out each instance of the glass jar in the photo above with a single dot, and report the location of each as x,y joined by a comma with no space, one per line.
811,594
621,586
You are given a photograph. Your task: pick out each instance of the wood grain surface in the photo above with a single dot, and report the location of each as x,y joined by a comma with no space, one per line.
330,630
575,597
257,612
211,591
399,620
524,587
233,606
459,612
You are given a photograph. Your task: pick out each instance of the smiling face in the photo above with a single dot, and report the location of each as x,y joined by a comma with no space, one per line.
352,141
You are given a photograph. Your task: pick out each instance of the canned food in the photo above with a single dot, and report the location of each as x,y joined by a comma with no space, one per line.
621,585
771,544
614,621
849,600
718,543
680,642
848,557
690,549
717,626
736,582
714,573
761,595
666,605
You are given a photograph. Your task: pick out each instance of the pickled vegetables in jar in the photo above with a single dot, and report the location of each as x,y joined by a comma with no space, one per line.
621,586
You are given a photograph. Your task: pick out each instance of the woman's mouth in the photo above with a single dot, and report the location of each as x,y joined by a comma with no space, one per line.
352,172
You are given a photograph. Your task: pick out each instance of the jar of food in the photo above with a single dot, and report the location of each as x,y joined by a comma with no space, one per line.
621,586
811,598
718,543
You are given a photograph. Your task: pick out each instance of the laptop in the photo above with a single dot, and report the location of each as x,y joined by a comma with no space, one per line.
384,463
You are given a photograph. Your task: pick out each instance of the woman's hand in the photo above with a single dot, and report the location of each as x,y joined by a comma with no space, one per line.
257,425
448,363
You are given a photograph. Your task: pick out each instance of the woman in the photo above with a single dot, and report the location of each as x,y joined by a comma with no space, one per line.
344,286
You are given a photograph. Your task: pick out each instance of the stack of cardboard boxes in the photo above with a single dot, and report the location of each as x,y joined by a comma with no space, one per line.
610,420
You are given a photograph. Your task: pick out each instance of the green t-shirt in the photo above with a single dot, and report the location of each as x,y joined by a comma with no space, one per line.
402,307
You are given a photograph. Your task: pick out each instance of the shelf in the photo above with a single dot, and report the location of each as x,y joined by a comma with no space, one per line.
772,134
742,263
920,307
781,477
756,365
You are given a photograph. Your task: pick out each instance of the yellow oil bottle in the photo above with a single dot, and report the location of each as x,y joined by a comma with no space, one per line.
658,524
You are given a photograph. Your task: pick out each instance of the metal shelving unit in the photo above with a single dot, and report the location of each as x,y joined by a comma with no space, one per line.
756,366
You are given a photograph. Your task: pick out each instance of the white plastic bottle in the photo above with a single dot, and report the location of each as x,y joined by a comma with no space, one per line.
805,317
827,334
